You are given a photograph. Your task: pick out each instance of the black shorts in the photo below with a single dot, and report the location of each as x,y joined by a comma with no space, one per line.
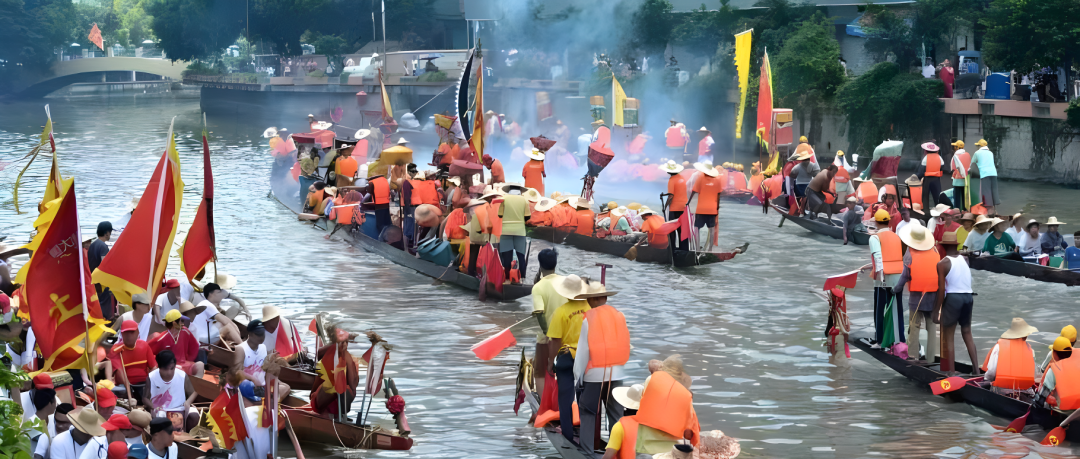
956,309
705,220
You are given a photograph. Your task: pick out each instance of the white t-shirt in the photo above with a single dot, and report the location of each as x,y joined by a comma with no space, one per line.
64,447
96,448
1029,246
253,362
204,325
187,292
167,395
144,324
170,454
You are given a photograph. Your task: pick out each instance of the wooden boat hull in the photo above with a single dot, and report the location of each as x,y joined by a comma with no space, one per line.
645,254
449,275
311,427
1023,269
997,404
835,232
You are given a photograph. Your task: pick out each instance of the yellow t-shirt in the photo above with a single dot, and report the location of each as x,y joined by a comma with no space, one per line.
961,236
649,440
545,298
513,210
566,324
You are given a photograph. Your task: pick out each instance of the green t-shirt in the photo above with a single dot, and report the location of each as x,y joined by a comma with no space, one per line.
513,210
999,246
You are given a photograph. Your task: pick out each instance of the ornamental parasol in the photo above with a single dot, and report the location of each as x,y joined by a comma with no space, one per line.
462,168
542,143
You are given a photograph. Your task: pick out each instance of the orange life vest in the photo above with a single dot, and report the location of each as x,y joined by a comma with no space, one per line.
649,226
586,219
429,192
494,218
628,449
842,175
924,275
381,194
674,137
868,192
343,213
453,225
609,339
538,218
676,185
892,254
1015,365
614,223
414,195
666,406
933,165
346,167
482,213
965,159
315,200
916,195
1066,382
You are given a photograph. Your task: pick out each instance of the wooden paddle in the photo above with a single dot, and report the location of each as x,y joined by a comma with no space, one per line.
632,253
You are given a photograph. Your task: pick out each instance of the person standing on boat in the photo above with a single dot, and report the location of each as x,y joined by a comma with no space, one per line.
514,212
1051,242
887,261
815,193
931,170
545,301
961,162
563,332
598,366
496,168
533,172
1010,366
920,275
983,160
954,302
709,187
95,253
345,168
677,200
378,199
705,146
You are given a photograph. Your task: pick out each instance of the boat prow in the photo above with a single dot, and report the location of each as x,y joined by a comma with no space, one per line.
645,254
834,231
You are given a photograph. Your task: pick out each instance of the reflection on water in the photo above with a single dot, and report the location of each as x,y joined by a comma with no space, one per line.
750,330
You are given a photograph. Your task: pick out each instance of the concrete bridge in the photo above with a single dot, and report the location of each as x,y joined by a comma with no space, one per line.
97,70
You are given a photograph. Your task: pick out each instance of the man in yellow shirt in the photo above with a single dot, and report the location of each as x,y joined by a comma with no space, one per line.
563,332
545,301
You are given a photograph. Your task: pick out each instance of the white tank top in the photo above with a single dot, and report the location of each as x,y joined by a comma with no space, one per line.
253,362
168,395
958,280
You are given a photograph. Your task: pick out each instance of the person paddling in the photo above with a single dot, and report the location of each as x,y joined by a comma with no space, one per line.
1068,333
954,303
1057,388
1010,366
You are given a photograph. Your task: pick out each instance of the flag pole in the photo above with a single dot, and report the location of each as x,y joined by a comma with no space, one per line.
213,248
82,284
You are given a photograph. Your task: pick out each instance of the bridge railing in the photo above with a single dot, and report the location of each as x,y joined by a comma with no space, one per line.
246,78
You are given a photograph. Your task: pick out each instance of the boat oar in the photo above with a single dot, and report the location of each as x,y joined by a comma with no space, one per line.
949,384
632,253
1054,437
1019,423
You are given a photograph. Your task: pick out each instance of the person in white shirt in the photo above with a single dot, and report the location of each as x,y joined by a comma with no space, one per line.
1016,227
171,299
254,355
1028,243
161,440
597,381
258,443
86,433
208,324
976,239
58,422
44,403
140,314
171,393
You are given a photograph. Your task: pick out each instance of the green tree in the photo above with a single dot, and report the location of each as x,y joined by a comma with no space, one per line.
703,30
885,103
889,37
807,72
1025,35
941,22
195,29
652,26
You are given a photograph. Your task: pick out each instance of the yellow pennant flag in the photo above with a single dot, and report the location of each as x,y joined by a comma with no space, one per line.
742,65
619,96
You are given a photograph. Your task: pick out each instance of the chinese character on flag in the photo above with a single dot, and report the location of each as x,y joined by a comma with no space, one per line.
95,37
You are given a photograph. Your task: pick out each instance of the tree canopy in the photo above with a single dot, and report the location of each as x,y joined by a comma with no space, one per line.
1025,35
886,103
807,71
194,29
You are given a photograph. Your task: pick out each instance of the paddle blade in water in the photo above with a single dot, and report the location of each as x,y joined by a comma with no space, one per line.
947,385
1055,437
1018,424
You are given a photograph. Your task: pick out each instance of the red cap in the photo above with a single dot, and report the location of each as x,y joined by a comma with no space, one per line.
43,381
117,450
172,283
117,422
129,325
105,398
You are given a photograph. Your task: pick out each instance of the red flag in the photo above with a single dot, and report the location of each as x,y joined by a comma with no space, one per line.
95,37
765,103
489,348
846,280
60,298
332,368
226,419
137,261
684,226
668,227
202,248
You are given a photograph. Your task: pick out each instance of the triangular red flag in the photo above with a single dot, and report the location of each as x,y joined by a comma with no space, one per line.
95,37
489,348
846,280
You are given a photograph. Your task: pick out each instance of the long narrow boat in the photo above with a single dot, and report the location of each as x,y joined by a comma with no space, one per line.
1024,269
645,254
446,274
973,394
565,448
835,231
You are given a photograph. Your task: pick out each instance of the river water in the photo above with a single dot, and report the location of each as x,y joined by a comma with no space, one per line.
750,330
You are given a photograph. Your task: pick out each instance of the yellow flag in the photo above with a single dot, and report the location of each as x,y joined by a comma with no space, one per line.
619,97
742,65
